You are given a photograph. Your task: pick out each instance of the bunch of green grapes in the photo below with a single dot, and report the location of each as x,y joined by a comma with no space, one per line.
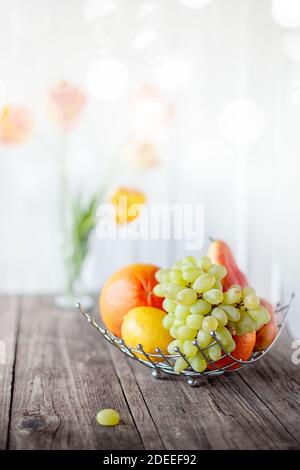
244,307
197,307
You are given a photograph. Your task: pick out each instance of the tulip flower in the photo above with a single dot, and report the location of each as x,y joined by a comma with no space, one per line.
142,154
16,125
66,104
127,203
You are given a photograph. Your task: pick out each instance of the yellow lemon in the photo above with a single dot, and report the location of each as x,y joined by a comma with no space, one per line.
143,325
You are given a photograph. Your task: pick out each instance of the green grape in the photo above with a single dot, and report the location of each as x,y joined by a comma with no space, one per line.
174,331
108,417
168,321
177,265
185,332
203,338
214,352
236,286
176,343
198,363
162,275
258,324
223,335
201,306
230,347
248,290
171,290
181,312
175,277
195,320
232,312
210,323
180,365
178,322
203,283
185,266
191,273
187,296
169,305
218,271
218,285
159,290
246,324
213,296
251,301
260,315
204,263
232,296
189,349
189,259
220,315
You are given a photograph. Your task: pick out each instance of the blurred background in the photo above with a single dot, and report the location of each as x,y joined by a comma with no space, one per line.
189,101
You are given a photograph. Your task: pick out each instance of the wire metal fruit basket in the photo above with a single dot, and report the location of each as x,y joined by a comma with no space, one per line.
161,363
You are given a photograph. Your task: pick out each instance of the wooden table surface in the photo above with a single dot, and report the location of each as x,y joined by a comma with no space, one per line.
59,372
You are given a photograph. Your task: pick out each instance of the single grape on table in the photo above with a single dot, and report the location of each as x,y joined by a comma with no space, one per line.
108,417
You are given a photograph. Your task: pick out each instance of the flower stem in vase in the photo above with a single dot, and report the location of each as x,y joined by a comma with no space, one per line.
74,248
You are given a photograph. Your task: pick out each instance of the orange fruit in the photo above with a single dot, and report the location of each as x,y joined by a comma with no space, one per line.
243,350
128,204
143,325
128,288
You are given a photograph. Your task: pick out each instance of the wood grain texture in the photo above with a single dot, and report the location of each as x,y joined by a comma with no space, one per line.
63,377
221,414
277,384
60,372
9,316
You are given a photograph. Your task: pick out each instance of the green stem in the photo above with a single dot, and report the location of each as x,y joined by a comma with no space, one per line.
64,209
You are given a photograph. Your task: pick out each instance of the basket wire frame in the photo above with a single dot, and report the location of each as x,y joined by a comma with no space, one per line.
166,364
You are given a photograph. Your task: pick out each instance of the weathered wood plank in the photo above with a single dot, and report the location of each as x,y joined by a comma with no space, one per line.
8,335
64,372
223,413
63,376
277,384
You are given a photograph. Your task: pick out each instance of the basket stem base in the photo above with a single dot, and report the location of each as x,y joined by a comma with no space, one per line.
192,382
156,373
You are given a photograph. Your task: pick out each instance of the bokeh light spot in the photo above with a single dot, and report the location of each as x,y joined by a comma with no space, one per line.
173,74
107,79
286,13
